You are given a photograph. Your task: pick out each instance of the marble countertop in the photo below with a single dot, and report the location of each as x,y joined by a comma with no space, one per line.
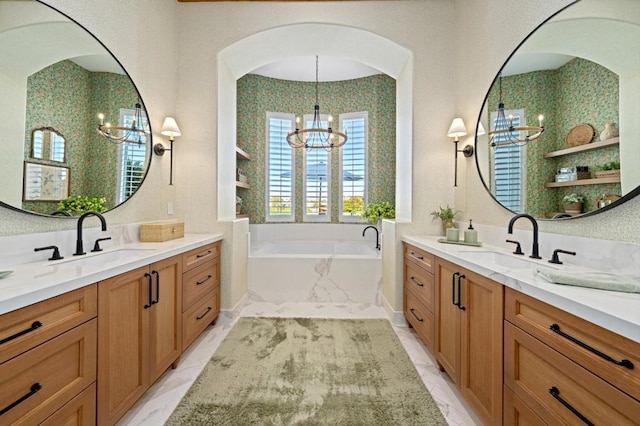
37,281
615,311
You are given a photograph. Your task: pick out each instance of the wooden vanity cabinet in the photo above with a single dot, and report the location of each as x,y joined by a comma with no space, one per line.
418,296
140,333
468,336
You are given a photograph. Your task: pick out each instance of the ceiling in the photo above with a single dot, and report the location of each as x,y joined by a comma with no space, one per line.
303,68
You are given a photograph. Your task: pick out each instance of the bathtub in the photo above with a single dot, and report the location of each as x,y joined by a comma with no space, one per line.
286,269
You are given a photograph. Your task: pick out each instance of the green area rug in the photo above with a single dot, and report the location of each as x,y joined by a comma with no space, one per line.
302,371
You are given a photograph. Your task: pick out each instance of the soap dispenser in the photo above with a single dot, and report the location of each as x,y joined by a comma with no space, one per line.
470,234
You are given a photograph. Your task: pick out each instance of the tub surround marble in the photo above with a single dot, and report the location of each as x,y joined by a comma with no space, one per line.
35,278
614,311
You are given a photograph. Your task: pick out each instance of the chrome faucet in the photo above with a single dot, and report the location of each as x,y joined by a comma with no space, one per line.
534,254
79,248
377,235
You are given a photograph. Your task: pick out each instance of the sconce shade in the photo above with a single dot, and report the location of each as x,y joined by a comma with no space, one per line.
170,128
457,128
480,130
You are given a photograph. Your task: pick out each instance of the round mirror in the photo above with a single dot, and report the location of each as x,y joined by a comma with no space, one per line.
562,117
55,79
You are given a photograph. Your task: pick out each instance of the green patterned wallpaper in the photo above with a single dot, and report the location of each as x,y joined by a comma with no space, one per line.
578,92
257,95
68,98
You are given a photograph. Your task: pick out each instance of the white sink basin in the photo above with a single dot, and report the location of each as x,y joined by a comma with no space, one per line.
487,258
102,258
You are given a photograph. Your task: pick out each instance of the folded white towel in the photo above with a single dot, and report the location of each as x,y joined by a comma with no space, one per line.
592,279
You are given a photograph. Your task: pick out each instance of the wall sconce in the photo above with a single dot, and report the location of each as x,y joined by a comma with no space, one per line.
456,130
169,128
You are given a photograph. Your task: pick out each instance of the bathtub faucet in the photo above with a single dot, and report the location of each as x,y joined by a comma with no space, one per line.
377,235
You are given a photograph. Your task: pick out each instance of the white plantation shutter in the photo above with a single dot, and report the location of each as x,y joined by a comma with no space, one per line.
508,165
317,180
132,159
280,169
353,167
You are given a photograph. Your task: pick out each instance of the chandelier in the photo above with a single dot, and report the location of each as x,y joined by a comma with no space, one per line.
118,134
316,136
506,133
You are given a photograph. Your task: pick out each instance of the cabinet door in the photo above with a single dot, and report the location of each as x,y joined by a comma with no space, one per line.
447,321
165,316
123,343
481,345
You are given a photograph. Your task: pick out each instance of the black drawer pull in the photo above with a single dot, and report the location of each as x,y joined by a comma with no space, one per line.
205,280
624,363
207,253
413,253
34,388
416,282
205,314
556,394
157,274
35,325
414,314
459,304
453,287
150,301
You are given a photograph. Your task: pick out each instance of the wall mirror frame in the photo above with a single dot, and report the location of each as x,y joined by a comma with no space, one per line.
55,77
585,37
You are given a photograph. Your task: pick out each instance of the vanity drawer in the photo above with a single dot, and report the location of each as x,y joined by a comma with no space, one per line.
196,319
421,283
552,385
197,257
40,381
516,412
578,340
419,257
30,326
419,317
199,281
80,411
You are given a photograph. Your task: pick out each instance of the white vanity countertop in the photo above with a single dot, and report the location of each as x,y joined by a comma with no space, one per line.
615,311
37,281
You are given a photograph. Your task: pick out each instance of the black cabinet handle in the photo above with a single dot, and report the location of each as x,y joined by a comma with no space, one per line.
413,254
556,394
459,304
150,302
205,314
414,314
35,325
624,363
153,302
205,280
453,287
416,282
207,253
34,388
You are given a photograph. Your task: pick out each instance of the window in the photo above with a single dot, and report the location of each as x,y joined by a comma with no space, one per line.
280,169
353,167
132,159
508,171
317,180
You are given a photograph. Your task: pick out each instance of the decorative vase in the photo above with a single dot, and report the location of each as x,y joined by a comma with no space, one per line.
447,223
610,131
573,208
238,208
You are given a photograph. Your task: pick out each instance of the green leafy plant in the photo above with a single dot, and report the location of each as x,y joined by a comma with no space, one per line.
573,198
612,165
238,200
376,211
82,204
444,213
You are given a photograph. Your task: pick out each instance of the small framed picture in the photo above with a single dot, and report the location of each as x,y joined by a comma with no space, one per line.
43,182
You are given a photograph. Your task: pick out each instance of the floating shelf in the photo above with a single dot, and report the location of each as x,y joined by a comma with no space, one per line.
582,148
242,185
240,216
242,155
597,181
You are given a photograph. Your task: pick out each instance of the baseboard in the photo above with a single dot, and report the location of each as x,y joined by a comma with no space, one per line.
230,315
395,317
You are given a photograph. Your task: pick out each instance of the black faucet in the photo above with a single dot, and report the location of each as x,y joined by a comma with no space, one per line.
534,254
79,248
377,235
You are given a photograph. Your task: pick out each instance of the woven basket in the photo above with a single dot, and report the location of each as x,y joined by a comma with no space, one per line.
607,173
580,135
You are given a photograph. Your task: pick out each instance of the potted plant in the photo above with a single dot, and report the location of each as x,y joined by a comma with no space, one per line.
573,203
446,215
374,212
238,204
610,169
80,204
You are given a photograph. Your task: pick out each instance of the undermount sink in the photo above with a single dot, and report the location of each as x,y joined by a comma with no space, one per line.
486,258
101,258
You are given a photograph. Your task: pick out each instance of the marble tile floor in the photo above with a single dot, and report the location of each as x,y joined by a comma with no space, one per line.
155,407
